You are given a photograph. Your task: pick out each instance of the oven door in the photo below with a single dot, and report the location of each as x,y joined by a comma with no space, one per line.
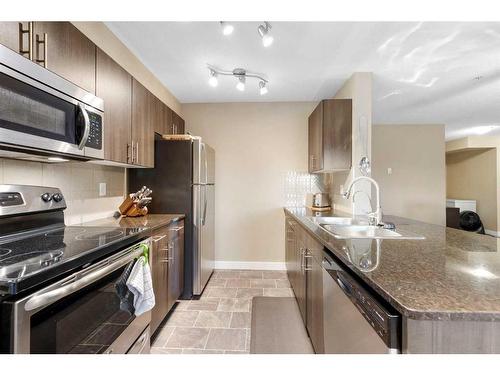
35,114
79,314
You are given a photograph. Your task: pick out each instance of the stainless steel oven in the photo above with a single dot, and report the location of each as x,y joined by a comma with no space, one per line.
81,313
41,112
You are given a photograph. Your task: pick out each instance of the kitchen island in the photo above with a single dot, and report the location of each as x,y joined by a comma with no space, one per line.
446,286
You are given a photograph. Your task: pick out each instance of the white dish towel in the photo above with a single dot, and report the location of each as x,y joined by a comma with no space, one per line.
141,285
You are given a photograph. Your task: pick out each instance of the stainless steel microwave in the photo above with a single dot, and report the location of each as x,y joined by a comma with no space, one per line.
42,113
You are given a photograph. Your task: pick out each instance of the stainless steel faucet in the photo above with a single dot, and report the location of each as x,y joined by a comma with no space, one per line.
375,217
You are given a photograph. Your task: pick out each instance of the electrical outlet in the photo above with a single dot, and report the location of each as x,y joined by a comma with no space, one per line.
102,189
341,189
389,170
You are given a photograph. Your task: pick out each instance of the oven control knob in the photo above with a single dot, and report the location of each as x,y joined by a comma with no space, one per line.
57,197
46,197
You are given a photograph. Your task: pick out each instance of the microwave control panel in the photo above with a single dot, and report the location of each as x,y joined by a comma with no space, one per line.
95,134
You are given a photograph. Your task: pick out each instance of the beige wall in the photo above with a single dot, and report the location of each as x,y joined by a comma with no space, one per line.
472,174
416,188
99,33
256,145
358,88
79,183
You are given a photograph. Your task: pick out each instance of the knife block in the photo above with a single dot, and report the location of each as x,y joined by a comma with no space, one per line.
130,208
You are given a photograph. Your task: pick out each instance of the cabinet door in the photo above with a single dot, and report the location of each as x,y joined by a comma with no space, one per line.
142,125
315,138
169,126
10,36
337,134
159,269
314,304
178,124
290,249
69,53
176,262
114,86
157,115
300,275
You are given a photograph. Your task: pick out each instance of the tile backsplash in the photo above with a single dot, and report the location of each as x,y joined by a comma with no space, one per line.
298,184
78,181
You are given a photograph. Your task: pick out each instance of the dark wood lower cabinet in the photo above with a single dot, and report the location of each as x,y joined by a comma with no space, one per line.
314,304
167,267
176,262
305,273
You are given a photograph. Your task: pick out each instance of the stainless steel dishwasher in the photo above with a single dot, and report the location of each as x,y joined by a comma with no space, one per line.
353,320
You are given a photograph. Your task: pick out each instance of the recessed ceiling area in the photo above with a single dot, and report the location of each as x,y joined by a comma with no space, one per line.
422,72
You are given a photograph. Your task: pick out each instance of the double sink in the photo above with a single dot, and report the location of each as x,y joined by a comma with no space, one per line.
345,228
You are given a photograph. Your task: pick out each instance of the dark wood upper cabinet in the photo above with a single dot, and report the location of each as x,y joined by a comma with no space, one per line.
177,124
114,86
70,54
330,136
143,106
10,36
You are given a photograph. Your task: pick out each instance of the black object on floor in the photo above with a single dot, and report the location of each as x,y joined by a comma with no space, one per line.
277,327
471,222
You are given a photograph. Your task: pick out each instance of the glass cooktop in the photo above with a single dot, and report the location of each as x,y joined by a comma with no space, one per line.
32,254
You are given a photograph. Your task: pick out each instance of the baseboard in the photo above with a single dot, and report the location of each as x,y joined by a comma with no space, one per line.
274,266
492,233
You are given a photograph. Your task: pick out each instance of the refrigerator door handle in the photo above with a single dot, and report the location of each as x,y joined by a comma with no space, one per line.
196,198
204,219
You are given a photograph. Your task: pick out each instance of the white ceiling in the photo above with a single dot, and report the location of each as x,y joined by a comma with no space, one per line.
423,72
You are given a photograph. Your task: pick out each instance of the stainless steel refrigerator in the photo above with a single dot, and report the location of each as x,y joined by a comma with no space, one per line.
183,181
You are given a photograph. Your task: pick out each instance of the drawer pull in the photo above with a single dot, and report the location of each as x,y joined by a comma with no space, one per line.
159,238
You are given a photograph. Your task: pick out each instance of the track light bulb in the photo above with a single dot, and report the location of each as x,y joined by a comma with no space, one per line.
241,83
263,88
227,28
264,32
212,81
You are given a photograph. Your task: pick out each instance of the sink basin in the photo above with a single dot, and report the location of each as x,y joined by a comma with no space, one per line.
345,232
329,220
360,231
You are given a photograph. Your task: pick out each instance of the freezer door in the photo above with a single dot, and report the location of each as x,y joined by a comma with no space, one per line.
203,162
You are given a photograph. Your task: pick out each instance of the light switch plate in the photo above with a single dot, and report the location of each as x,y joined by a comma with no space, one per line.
389,170
102,189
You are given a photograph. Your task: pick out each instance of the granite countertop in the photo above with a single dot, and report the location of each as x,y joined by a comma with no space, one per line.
450,275
150,221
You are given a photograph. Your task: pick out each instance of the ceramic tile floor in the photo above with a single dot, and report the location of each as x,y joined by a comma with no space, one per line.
219,322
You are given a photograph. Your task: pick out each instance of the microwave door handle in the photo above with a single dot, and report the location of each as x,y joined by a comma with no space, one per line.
47,298
86,131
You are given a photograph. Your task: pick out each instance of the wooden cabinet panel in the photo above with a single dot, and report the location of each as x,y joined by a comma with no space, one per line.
159,270
315,161
69,53
176,262
142,125
314,304
337,134
9,36
177,123
330,136
114,86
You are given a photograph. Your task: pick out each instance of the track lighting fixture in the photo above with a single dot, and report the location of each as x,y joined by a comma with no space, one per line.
227,28
264,32
212,81
241,75
263,88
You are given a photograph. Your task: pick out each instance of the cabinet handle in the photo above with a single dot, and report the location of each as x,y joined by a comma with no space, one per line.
159,238
22,32
174,128
176,229
45,42
128,153
137,152
163,260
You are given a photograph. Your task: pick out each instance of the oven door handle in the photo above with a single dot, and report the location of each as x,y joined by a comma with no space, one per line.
81,280
86,131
